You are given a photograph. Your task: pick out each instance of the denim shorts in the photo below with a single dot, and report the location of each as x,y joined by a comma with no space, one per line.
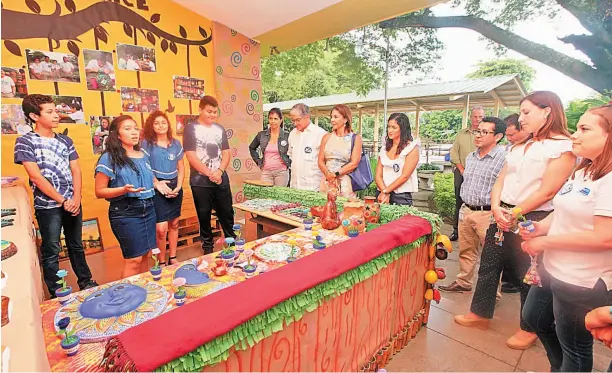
133,223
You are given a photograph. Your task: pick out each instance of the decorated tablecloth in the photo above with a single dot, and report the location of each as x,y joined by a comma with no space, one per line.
90,354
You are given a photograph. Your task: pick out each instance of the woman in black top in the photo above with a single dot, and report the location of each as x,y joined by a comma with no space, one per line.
269,151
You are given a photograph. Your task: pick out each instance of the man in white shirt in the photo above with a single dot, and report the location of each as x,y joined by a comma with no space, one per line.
8,86
304,143
67,68
132,65
47,68
36,70
150,63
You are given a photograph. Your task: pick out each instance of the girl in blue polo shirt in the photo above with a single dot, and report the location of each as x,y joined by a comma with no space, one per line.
124,177
166,154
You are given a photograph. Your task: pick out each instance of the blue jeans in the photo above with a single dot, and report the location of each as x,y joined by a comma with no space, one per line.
50,223
556,312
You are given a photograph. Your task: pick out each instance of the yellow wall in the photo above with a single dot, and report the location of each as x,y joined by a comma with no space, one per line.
168,64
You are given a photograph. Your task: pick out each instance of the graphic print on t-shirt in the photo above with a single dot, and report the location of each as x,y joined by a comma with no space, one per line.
208,145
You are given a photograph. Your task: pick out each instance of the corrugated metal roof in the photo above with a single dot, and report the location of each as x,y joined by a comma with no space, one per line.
508,88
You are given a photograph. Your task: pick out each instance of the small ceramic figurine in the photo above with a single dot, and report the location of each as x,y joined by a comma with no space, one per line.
329,216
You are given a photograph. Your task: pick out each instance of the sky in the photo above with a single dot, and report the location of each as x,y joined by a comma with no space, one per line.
464,49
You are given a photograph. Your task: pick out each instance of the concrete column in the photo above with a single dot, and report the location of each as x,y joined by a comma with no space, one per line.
418,124
466,112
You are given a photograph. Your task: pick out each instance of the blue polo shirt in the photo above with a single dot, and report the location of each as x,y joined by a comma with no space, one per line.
164,161
142,177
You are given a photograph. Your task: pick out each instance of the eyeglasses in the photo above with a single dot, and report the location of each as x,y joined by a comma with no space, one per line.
482,133
297,119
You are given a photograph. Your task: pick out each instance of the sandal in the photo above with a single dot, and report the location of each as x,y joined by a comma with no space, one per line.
170,260
162,264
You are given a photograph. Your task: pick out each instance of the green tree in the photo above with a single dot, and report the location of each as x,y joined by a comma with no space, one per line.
505,66
441,125
496,19
576,108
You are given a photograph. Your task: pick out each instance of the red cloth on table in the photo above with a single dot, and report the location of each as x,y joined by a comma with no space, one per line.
182,330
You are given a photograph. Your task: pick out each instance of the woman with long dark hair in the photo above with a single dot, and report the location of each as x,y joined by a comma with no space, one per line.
166,155
396,176
535,170
337,155
272,144
576,242
125,179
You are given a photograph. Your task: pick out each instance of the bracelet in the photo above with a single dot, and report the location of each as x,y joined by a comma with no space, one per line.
64,202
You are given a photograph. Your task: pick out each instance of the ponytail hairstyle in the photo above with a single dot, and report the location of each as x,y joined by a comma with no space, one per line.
114,148
602,165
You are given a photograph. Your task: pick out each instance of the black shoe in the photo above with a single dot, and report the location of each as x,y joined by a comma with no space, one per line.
454,236
89,285
509,288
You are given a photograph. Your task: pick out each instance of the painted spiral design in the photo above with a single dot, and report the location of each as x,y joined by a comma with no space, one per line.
233,98
236,59
239,197
255,95
256,117
228,108
219,70
236,164
229,133
234,152
252,41
234,32
255,71
250,108
246,48
248,164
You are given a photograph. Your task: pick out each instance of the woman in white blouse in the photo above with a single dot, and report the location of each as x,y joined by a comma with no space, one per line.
577,244
396,176
535,170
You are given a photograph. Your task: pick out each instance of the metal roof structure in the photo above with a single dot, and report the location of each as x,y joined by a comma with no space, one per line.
496,91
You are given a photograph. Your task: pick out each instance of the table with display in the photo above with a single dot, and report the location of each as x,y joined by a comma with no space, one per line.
346,307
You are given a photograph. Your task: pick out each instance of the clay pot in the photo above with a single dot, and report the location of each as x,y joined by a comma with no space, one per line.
353,214
371,211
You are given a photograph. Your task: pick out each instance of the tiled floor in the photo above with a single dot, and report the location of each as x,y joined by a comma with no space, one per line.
441,346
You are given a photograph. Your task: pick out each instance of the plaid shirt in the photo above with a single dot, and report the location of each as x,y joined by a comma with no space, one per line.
480,175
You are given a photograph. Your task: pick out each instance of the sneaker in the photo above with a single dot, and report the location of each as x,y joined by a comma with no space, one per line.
454,236
455,288
90,284
509,288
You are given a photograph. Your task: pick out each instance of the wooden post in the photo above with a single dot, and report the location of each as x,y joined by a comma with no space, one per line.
496,108
360,121
316,117
417,125
466,111
376,128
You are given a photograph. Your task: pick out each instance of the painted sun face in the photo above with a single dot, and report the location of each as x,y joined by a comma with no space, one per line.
98,314
113,302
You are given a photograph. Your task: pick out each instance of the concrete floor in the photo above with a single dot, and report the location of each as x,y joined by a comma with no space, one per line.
443,346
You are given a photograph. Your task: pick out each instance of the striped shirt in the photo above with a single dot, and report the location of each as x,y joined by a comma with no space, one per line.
480,175
53,156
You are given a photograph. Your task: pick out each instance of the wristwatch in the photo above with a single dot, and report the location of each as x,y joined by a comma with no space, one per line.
384,191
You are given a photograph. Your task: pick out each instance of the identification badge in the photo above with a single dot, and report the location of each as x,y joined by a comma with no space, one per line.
283,143
585,191
396,167
566,189
171,157
347,137
308,150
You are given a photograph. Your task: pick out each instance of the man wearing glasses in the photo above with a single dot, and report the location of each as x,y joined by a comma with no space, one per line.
482,168
304,142
463,145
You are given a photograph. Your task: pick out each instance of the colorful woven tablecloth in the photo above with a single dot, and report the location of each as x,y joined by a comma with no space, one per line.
90,354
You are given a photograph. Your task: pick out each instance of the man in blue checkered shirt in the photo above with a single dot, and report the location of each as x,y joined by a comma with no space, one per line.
481,171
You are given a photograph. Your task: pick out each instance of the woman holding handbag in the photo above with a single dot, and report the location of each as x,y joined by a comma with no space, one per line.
396,176
340,154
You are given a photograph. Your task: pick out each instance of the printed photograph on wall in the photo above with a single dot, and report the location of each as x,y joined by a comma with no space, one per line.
99,132
70,109
135,58
14,120
53,66
139,100
14,83
92,240
189,88
182,121
99,70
